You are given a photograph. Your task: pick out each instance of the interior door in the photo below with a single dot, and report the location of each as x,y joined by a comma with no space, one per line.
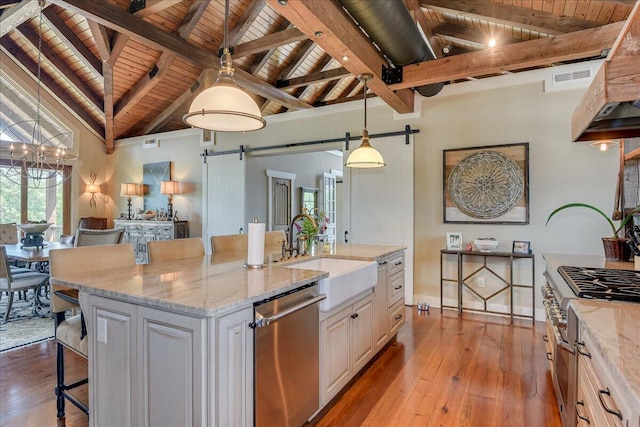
224,188
378,203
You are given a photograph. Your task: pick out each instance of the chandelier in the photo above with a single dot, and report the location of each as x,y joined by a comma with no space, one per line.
37,152
225,107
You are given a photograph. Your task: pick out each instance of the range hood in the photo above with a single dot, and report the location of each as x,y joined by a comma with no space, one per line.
610,108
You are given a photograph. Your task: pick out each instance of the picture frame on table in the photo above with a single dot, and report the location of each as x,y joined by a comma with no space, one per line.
521,247
454,241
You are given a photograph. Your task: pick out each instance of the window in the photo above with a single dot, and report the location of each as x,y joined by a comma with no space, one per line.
20,204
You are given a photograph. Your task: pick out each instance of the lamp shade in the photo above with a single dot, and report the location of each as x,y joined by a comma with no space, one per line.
365,156
129,189
92,188
170,187
225,107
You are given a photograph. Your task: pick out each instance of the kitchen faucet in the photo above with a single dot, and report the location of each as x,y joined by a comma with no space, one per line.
291,248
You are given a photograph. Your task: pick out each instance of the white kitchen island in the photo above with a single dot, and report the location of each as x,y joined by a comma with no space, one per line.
171,344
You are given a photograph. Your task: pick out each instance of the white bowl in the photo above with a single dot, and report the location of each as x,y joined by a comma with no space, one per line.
148,216
35,228
485,245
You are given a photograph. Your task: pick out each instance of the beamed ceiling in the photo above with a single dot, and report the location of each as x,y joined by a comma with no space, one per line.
128,68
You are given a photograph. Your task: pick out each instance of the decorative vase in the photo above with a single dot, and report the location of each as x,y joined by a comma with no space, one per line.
616,249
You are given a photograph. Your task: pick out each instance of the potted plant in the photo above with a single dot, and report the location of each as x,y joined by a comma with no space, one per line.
615,247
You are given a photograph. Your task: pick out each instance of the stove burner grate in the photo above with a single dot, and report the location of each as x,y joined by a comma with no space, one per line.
603,283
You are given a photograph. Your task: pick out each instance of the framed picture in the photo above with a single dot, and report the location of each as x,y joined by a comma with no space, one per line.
521,247
486,185
152,175
454,241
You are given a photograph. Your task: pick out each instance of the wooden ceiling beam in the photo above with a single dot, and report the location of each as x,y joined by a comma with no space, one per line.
150,35
317,77
191,19
514,16
468,35
357,97
16,14
425,25
61,66
108,108
304,50
46,80
204,80
144,85
72,41
118,42
535,53
263,57
150,6
268,42
244,23
101,37
301,91
331,28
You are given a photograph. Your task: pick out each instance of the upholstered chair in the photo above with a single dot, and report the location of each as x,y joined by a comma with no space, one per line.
171,250
71,332
93,223
85,237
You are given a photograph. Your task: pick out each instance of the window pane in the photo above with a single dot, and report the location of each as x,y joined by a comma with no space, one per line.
9,200
45,204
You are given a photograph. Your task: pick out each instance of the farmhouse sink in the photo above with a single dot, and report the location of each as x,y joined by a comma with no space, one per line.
347,278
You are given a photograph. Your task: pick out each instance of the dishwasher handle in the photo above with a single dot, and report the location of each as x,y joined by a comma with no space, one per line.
260,321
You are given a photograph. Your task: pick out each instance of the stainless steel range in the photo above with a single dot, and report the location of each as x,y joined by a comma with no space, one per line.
567,280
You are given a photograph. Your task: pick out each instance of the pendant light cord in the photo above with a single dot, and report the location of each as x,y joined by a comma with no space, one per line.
226,24
365,103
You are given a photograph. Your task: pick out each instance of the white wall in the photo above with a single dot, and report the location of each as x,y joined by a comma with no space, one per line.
506,109
183,149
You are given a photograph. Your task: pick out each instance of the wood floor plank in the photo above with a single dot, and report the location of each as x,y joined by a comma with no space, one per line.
443,370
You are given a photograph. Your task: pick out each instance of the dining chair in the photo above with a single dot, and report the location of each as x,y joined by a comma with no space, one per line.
273,241
231,243
85,237
16,280
93,223
71,333
8,234
171,250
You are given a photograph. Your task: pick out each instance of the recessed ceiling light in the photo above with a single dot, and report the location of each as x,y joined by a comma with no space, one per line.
283,2
345,57
492,42
318,33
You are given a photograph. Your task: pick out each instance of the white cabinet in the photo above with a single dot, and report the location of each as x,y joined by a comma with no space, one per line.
601,400
381,307
346,345
388,299
139,233
151,367
234,369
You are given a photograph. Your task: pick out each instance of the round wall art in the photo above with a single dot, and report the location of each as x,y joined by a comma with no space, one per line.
486,184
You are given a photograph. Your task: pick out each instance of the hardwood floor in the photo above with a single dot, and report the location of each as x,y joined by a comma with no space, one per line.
443,371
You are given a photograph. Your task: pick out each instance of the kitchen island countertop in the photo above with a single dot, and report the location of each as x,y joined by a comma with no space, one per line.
211,285
614,327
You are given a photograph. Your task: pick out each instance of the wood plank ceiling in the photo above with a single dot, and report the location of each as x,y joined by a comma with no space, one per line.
132,67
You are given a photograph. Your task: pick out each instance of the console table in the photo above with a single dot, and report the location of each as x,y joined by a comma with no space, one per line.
139,232
462,280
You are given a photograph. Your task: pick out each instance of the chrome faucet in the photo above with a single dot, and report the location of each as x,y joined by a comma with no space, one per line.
291,248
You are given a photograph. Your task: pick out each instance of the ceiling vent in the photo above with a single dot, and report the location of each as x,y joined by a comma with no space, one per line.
150,143
569,80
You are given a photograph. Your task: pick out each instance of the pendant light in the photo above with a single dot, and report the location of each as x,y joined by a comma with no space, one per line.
365,156
37,152
225,107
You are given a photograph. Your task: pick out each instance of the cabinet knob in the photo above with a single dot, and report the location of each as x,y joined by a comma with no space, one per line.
398,317
354,315
398,288
382,263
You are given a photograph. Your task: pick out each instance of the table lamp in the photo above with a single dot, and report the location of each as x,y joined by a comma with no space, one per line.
129,189
169,188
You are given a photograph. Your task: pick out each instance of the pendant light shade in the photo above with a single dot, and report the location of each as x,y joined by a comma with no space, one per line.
225,107
365,156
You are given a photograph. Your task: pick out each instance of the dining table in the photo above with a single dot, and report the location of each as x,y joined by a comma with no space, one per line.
35,258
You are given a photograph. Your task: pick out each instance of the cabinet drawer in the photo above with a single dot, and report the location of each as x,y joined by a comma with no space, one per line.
396,287
396,264
396,317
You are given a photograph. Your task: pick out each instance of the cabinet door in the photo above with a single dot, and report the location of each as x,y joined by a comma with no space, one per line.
361,333
381,308
171,353
334,360
164,232
111,331
234,377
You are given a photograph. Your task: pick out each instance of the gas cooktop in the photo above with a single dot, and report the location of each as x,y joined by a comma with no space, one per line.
603,283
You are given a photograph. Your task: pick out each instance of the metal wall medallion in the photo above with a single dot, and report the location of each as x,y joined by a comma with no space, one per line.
486,184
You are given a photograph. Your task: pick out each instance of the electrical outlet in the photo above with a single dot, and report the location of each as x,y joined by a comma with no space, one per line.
481,282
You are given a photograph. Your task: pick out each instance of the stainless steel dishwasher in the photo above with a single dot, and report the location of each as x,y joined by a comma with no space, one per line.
287,358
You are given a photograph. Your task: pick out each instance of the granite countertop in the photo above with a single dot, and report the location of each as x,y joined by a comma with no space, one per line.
614,329
210,285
